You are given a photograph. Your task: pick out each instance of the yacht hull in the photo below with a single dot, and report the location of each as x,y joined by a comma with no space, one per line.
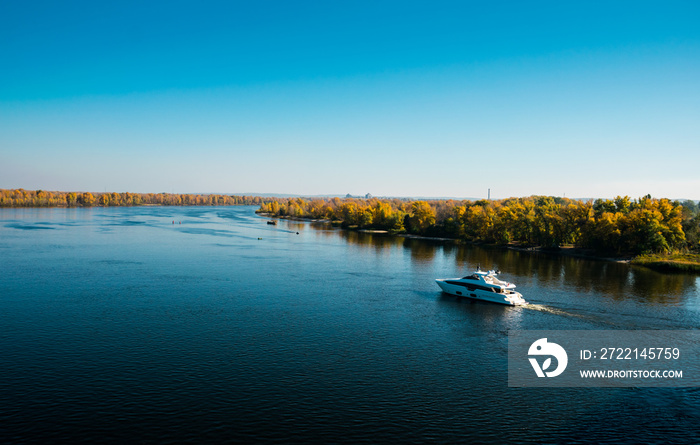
454,287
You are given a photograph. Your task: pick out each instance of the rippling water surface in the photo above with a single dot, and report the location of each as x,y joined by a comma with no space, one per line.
205,324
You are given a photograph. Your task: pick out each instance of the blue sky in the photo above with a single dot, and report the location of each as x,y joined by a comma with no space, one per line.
589,99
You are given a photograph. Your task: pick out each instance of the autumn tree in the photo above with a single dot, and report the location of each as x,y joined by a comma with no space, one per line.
86,199
422,216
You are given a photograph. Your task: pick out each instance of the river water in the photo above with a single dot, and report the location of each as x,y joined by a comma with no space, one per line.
207,325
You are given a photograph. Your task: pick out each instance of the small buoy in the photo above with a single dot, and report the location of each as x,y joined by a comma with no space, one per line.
259,238
297,233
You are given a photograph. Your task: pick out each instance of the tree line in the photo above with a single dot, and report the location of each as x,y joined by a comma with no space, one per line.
42,198
619,226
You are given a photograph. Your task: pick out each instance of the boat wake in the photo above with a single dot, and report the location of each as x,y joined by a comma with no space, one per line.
552,310
594,319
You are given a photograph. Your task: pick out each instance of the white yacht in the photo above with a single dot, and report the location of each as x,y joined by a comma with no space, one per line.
483,286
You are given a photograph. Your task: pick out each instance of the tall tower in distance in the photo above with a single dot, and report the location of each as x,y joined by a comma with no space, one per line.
489,195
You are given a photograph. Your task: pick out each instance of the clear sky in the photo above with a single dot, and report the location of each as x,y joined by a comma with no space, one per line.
437,99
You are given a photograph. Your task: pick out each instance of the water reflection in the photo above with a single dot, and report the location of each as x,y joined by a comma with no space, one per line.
617,280
421,250
379,241
561,274
659,287
479,313
296,226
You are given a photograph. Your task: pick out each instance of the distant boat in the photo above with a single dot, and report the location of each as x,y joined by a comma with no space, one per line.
273,222
483,286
